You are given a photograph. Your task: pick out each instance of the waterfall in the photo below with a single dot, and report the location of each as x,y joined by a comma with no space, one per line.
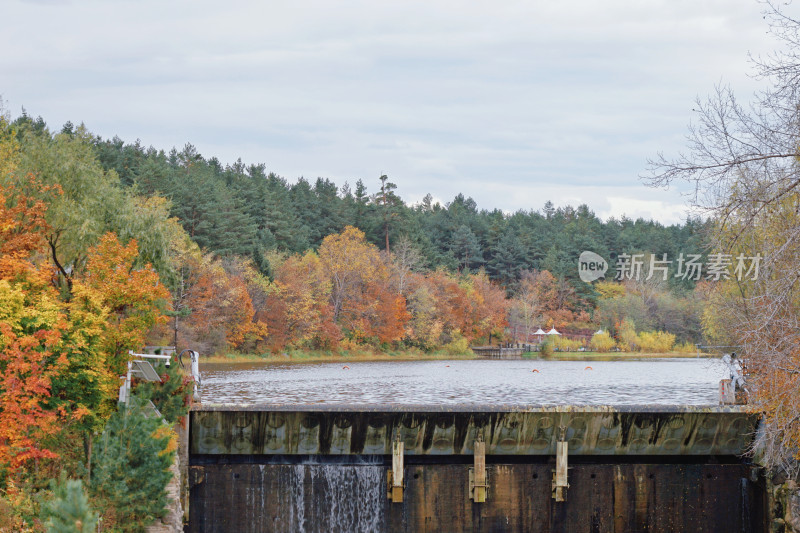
327,497
354,497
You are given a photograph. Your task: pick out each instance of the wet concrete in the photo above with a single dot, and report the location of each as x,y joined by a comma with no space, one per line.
433,430
631,469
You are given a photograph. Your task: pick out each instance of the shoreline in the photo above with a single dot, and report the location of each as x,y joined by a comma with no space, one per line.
622,356
327,357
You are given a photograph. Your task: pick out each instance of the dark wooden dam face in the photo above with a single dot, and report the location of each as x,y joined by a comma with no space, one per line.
324,468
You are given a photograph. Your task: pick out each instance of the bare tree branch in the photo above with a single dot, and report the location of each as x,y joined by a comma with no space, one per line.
744,165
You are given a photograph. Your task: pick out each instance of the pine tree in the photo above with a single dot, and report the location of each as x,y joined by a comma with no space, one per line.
389,204
170,395
280,217
506,259
466,248
68,511
131,468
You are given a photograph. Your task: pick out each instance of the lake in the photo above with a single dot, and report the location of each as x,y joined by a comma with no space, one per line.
470,382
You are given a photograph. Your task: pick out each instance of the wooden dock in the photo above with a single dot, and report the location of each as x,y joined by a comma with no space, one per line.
501,352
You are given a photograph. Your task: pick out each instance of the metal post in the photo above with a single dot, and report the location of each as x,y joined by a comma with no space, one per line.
396,473
560,483
128,383
196,374
477,474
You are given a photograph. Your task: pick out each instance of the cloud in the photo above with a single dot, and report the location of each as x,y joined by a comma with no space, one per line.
663,211
445,97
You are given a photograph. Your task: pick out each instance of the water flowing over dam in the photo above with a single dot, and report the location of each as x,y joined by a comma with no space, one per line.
396,467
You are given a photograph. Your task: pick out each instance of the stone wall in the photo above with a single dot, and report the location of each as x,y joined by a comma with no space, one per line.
785,500
172,522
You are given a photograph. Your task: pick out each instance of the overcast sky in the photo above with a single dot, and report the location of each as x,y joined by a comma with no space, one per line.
512,103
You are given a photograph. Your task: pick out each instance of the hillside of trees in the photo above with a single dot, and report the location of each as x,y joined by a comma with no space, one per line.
246,255
106,246
245,210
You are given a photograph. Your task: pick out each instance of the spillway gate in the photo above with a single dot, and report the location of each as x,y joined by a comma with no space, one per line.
473,468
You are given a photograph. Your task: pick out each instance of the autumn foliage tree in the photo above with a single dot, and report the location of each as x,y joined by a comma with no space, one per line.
444,306
61,348
535,296
134,298
364,302
92,202
298,310
742,160
31,325
385,318
218,298
489,307
351,263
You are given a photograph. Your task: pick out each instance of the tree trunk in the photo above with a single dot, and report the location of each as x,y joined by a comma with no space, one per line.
87,444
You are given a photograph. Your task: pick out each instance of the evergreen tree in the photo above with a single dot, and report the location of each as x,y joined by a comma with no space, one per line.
361,199
131,467
328,208
154,175
466,248
125,159
389,204
555,262
506,260
232,230
239,209
281,218
169,395
68,511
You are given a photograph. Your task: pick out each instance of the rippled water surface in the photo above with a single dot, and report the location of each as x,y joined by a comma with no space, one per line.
654,381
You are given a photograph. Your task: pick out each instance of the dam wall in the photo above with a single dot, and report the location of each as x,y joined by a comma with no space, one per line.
474,468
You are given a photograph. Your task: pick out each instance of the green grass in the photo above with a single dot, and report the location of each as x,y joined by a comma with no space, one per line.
327,356
619,356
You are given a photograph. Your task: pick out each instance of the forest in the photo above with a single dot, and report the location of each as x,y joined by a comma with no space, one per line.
270,244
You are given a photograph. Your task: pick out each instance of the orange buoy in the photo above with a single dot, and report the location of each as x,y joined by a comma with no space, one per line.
588,368
447,366
534,370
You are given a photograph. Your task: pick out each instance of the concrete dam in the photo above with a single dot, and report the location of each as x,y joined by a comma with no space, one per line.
326,468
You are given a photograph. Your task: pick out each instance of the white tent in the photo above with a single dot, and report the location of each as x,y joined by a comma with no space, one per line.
553,332
599,331
540,332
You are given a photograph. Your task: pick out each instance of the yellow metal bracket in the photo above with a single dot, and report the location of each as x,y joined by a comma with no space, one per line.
478,480
560,483
395,479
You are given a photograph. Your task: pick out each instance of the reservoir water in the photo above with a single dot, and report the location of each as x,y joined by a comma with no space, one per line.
471,382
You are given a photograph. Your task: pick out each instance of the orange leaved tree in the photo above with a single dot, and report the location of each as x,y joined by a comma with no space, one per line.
134,298
31,322
351,262
299,309
364,301
30,334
